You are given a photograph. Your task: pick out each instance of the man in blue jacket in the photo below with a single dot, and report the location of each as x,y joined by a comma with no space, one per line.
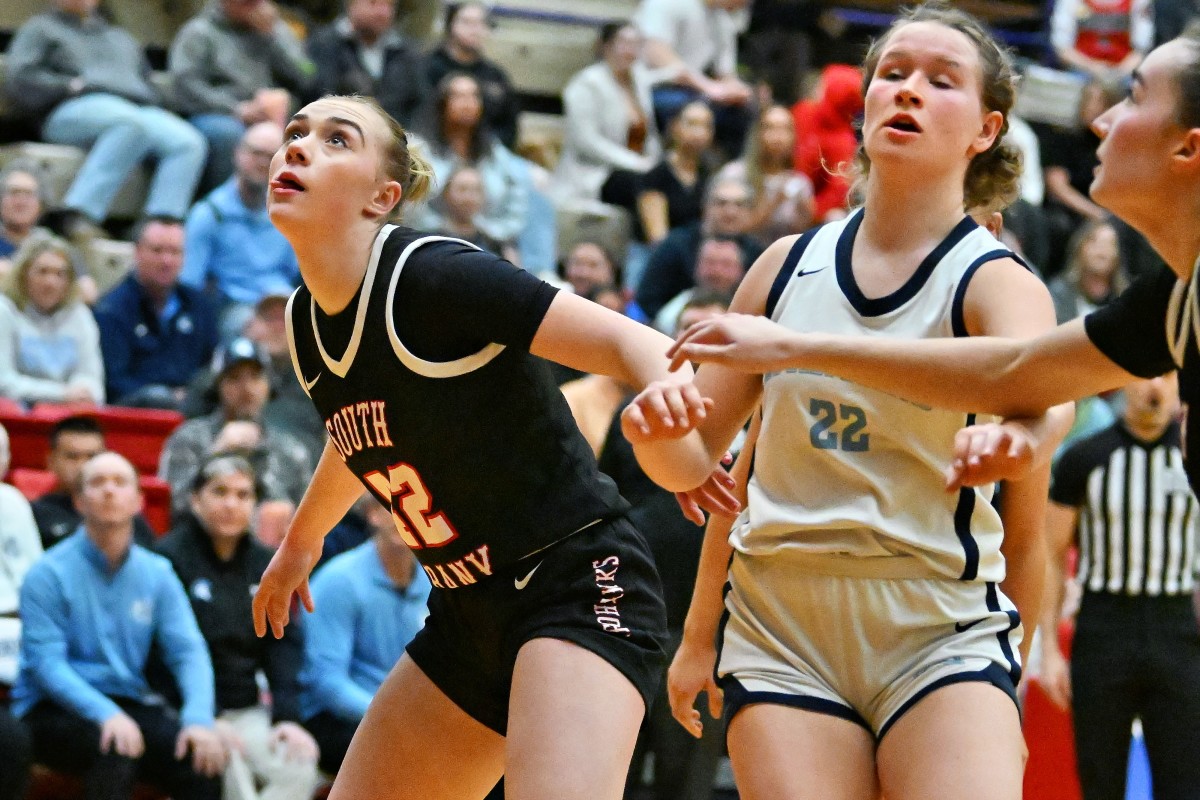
155,332
91,608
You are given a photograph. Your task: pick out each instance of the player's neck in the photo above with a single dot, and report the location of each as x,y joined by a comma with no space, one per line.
902,213
1176,238
334,261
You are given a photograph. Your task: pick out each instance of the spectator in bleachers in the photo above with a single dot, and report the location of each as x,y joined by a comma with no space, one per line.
19,549
370,602
20,210
231,248
611,137
289,408
1068,164
720,267
1093,275
49,342
467,29
86,82
73,442
457,134
361,52
785,196
243,386
461,203
220,564
155,332
90,610
826,138
692,47
1102,38
589,266
232,65
671,194
672,264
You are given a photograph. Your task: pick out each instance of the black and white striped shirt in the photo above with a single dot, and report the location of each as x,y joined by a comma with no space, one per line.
1137,520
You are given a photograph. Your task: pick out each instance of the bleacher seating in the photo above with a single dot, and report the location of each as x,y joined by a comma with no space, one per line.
108,262
137,434
58,164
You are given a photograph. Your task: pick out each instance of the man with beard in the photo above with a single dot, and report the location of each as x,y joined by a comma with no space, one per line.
231,247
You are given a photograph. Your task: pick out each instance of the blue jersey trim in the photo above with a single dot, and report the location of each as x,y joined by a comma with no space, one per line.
785,272
738,697
992,599
962,526
878,306
957,322
992,673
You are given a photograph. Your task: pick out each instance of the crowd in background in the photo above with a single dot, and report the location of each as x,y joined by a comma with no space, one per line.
132,648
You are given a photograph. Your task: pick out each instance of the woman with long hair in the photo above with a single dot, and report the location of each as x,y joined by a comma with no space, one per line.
1094,273
864,606
426,357
49,342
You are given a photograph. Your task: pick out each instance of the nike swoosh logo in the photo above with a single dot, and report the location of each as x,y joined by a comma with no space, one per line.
960,627
802,273
521,583
309,384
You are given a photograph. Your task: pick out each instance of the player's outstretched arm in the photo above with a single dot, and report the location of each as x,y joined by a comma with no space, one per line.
984,374
332,492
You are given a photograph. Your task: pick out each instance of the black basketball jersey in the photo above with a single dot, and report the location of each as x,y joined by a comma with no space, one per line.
477,455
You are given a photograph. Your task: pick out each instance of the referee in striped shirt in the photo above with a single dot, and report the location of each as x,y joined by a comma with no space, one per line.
1123,497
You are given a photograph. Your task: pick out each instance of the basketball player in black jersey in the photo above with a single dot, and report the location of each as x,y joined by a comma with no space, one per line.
424,357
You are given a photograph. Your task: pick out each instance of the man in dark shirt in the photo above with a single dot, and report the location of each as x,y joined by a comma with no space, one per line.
467,30
155,332
220,562
362,53
672,264
73,441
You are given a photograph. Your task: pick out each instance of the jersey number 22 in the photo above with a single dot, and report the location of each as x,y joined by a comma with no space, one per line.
412,507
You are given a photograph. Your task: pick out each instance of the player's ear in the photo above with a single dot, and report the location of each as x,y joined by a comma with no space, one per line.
386,198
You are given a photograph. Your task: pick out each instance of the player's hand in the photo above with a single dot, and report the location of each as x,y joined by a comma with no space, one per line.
286,574
715,496
744,342
664,410
691,673
988,453
121,735
298,744
1055,678
206,747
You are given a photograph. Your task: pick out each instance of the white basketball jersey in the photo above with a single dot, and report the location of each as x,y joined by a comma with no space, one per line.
846,471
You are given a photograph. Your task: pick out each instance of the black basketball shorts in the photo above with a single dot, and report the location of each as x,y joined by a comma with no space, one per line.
598,589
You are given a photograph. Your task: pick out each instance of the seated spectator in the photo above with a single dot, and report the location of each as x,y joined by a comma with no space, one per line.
231,247
826,139
611,137
370,602
91,608
361,52
671,194
20,547
672,264
461,203
691,45
1102,38
232,65
49,342
220,564
589,266
457,135
86,82
1069,164
73,442
1094,274
467,30
155,332
719,271
243,385
785,196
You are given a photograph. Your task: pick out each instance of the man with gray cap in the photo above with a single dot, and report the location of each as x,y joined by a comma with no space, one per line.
243,386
